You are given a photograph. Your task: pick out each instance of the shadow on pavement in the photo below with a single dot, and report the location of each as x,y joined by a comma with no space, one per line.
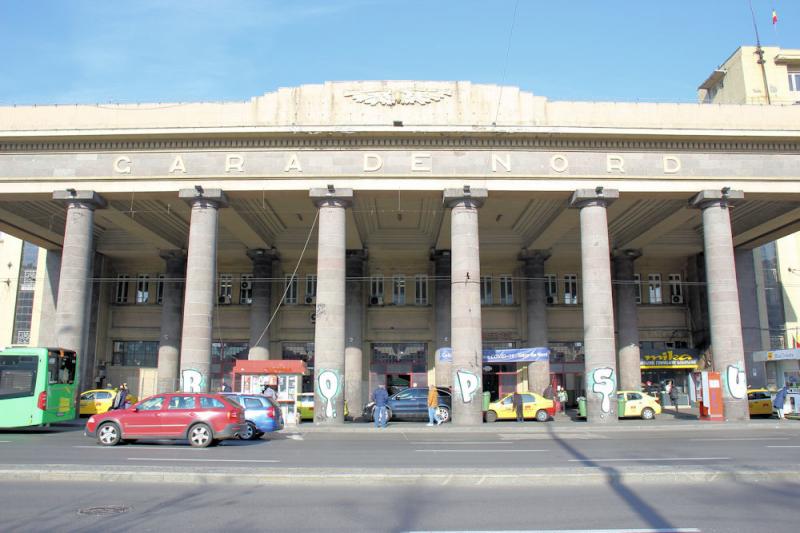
60,427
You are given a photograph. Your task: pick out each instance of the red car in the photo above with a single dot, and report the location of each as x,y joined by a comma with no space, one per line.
202,419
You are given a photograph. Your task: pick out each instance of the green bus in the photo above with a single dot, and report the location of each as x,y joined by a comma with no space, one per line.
37,386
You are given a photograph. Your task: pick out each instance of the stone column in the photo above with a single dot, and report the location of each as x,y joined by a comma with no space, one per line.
260,305
354,325
723,298
465,310
751,313
329,328
169,347
536,304
630,369
200,290
442,369
598,310
74,288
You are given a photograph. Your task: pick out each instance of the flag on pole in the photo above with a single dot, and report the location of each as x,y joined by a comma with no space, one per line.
774,17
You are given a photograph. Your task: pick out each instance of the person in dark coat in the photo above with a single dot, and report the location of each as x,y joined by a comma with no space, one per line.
779,401
516,402
121,399
380,397
673,396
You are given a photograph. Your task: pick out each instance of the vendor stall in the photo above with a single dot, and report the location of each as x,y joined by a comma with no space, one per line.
283,377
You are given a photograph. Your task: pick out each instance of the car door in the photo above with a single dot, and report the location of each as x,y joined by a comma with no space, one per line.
177,416
143,420
529,406
633,404
87,403
402,404
102,401
506,410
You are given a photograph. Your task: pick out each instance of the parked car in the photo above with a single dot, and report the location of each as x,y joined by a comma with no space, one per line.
639,405
759,402
412,404
305,406
534,406
263,415
98,401
202,419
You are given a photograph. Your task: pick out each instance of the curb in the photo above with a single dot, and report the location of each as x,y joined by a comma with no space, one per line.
402,477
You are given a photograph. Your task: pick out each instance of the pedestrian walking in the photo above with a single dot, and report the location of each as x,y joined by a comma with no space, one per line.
548,392
673,395
380,397
516,402
433,405
779,401
563,398
120,400
225,387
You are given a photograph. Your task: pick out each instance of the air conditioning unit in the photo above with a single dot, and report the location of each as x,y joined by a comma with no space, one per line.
310,300
224,300
376,300
551,300
677,299
247,284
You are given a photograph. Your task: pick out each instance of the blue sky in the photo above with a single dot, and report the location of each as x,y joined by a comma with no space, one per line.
80,51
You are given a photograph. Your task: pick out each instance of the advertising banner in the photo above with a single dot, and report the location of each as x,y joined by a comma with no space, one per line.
511,355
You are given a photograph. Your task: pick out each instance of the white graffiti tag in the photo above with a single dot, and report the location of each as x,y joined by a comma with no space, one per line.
328,382
603,383
468,383
191,380
737,382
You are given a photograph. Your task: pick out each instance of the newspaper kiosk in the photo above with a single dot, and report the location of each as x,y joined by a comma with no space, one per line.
285,376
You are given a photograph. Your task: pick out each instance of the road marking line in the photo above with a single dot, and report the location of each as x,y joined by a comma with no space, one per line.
205,460
479,451
637,530
744,438
650,459
458,442
783,446
5,441
294,437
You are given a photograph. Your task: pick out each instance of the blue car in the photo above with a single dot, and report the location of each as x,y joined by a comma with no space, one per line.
261,413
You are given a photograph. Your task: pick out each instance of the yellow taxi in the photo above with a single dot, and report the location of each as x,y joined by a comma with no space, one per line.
533,406
760,402
98,401
305,406
638,405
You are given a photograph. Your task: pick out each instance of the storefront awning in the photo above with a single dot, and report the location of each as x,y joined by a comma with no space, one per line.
513,355
670,360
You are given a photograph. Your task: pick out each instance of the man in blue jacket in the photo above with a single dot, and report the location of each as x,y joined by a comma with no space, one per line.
779,401
380,397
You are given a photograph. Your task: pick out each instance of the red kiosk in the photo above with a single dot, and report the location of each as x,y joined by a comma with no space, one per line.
284,375
708,390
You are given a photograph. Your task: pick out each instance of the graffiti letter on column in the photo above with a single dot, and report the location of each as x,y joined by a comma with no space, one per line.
603,383
191,381
468,383
328,383
737,381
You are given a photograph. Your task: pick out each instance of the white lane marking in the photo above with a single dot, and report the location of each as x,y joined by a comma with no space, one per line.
478,451
743,438
4,441
205,460
295,437
637,530
458,442
783,446
650,459
144,447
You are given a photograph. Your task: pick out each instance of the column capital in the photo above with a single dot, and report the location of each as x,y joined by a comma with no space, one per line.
262,254
534,256
627,254
711,197
599,196
88,199
467,195
212,197
331,197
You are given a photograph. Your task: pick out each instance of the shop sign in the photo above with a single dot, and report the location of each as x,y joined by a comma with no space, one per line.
777,355
669,359
512,355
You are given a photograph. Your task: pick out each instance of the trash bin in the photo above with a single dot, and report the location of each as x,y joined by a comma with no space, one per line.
620,405
486,400
581,406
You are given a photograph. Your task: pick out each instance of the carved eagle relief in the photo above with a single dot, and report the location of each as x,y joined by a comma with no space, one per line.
401,97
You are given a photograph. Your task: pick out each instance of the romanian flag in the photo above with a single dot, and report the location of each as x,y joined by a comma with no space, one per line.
774,17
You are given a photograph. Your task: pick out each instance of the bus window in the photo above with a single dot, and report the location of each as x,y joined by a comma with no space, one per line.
61,367
17,376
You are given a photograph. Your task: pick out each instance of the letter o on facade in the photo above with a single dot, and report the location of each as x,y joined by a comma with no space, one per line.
559,163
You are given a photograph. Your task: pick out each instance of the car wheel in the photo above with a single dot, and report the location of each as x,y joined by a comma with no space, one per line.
108,434
648,414
442,414
200,436
542,416
249,433
491,416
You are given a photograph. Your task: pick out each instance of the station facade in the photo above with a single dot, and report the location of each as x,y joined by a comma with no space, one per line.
365,226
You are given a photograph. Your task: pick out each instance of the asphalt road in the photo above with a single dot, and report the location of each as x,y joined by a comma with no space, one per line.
765,444
717,507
